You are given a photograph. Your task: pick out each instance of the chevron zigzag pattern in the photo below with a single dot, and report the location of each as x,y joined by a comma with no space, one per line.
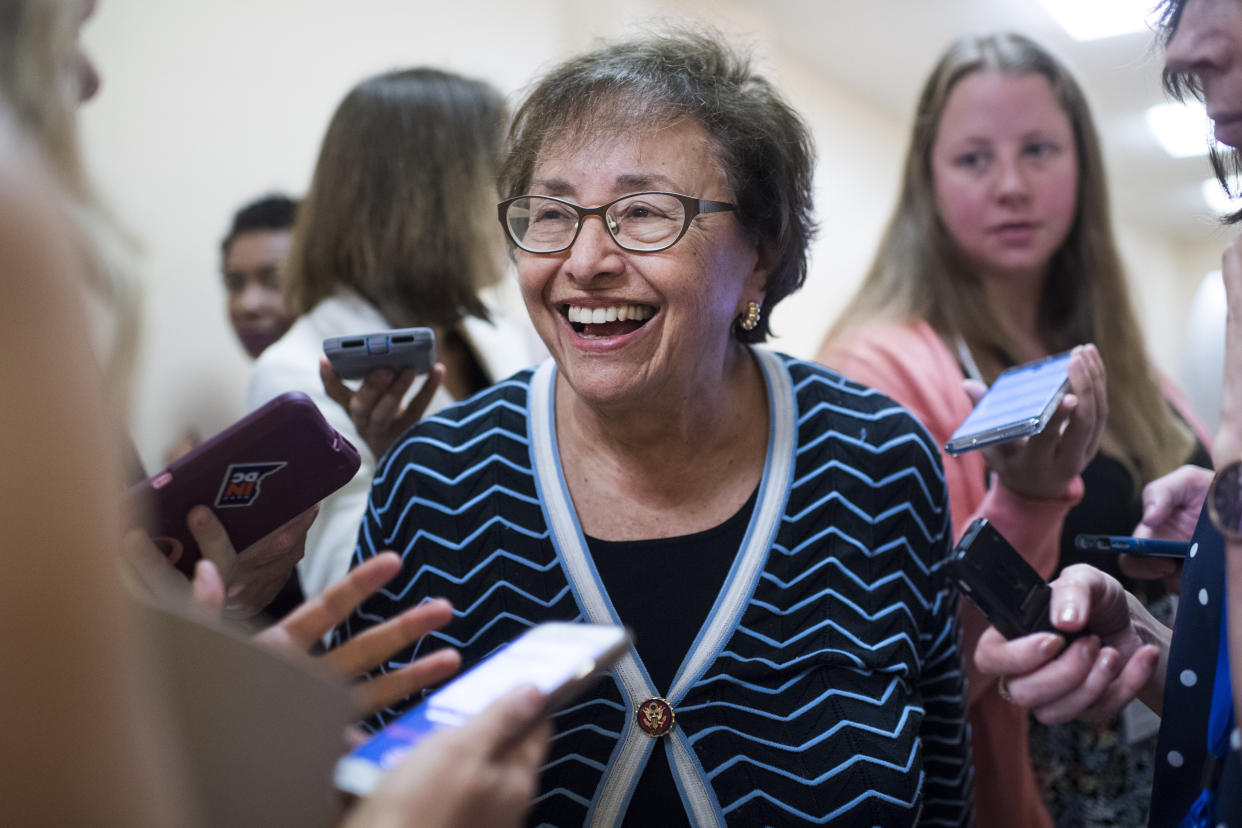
839,697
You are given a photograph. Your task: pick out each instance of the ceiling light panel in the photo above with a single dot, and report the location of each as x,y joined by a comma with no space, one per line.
1095,19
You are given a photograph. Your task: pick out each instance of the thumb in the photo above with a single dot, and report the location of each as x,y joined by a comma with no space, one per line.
332,385
503,724
974,389
207,588
1157,502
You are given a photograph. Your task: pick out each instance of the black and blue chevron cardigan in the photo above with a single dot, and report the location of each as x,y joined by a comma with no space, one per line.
837,697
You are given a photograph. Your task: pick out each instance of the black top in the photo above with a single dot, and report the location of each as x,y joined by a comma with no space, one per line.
662,591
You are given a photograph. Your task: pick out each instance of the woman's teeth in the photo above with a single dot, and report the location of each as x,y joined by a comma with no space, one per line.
612,313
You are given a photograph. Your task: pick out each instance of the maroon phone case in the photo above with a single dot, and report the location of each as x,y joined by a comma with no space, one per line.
257,474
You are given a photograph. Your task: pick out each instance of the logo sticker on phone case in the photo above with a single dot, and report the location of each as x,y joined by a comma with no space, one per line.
241,483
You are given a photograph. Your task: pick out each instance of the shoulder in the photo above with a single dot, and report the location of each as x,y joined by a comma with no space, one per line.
492,421
291,363
908,362
834,411
914,346
505,344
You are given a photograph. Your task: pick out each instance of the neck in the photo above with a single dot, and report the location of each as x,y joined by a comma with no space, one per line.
1014,302
665,439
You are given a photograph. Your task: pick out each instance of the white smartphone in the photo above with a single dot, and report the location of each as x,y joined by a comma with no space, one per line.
561,659
353,356
1019,404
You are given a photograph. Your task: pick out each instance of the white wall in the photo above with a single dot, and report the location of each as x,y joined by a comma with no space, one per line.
205,105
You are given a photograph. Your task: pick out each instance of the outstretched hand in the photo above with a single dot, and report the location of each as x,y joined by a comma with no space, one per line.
376,408
1171,507
306,625
1044,465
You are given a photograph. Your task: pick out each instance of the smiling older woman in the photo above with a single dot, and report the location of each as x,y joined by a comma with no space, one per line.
773,533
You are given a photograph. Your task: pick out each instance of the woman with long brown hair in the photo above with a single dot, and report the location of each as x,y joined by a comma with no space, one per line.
1000,252
397,231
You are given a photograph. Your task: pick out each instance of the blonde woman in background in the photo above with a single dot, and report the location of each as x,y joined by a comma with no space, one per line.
398,230
1000,252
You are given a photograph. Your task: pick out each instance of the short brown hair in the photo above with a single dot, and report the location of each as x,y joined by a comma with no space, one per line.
763,145
399,208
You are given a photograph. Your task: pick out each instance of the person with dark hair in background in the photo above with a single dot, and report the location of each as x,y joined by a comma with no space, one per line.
396,231
252,257
774,534
1000,251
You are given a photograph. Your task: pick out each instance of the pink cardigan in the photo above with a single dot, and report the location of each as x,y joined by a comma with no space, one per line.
911,364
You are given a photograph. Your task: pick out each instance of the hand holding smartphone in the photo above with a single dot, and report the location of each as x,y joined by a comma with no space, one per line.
561,659
1019,404
352,357
999,581
256,475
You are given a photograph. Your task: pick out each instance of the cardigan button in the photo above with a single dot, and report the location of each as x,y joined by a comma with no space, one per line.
655,717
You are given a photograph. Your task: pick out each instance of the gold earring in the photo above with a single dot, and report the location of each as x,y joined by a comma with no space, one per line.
750,318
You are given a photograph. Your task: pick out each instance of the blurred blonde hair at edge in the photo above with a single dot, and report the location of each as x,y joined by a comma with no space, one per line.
919,271
36,36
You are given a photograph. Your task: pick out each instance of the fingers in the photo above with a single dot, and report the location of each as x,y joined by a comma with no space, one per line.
1083,592
505,723
355,737
1149,568
1064,688
418,404
996,656
146,569
213,542
1088,681
316,616
282,544
974,389
1083,413
390,688
333,386
379,398
368,650
1136,673
207,588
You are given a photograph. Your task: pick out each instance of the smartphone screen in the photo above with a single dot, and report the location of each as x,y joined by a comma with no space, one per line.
1019,404
561,659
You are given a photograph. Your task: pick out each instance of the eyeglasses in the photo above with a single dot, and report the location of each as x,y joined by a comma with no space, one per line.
639,222
1224,501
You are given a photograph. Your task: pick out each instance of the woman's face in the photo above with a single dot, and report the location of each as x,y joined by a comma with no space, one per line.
680,303
1005,171
1208,45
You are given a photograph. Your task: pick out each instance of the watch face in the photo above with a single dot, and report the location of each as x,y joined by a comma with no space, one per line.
1225,501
